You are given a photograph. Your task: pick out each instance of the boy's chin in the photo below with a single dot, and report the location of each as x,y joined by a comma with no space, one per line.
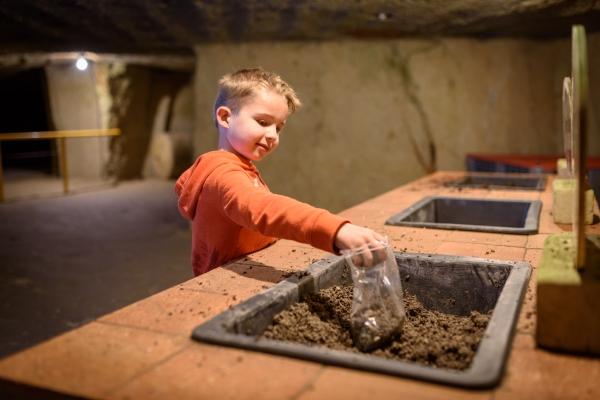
253,157
258,157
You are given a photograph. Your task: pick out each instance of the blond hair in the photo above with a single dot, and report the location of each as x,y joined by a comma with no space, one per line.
239,88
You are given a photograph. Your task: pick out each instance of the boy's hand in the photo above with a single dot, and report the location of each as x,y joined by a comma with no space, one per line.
352,236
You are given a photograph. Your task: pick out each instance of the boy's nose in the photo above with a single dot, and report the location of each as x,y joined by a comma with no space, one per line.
271,133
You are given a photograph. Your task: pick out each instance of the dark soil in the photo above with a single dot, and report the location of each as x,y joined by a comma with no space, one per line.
428,337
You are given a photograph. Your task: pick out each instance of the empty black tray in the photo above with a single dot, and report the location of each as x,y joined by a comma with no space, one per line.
499,216
499,181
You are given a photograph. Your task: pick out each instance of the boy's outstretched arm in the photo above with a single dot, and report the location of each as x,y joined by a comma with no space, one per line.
351,236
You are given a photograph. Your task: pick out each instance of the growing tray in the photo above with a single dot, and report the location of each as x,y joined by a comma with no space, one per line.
500,182
484,215
472,283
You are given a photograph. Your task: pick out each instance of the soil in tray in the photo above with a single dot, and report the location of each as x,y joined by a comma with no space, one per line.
428,337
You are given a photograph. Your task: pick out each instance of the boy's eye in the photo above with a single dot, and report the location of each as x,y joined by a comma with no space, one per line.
262,122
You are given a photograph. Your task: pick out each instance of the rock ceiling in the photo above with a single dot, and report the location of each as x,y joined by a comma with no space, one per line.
174,26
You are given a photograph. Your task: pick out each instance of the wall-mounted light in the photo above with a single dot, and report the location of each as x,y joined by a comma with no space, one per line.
384,16
81,63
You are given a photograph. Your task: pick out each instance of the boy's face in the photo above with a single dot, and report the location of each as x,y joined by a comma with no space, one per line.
254,131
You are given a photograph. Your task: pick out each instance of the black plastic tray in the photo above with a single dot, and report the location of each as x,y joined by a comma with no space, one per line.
473,284
458,213
500,182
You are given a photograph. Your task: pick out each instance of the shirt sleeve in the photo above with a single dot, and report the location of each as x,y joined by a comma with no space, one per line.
259,210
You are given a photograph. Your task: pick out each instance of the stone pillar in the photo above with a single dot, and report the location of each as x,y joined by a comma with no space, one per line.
74,105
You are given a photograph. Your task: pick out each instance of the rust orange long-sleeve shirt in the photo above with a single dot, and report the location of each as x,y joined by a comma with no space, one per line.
234,213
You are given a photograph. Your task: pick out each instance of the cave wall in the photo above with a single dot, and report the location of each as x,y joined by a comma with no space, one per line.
378,114
115,95
136,92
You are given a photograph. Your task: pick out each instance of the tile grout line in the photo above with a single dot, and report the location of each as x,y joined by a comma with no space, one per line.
309,384
144,371
138,328
438,246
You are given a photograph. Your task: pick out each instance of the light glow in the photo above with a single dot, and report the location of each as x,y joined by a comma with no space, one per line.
81,63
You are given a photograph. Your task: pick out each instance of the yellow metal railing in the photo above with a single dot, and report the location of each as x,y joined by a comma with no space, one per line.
61,135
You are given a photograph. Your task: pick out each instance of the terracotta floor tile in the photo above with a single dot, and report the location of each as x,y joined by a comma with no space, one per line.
503,395
415,247
546,199
392,202
256,278
455,192
547,224
284,257
528,314
238,279
291,243
212,372
532,256
244,279
347,384
180,309
549,179
409,233
482,250
92,360
545,374
595,226
487,238
418,240
537,241
393,196
173,311
527,322
514,194
223,279
429,184
372,219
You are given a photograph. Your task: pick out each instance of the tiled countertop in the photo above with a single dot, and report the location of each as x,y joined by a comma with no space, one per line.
144,351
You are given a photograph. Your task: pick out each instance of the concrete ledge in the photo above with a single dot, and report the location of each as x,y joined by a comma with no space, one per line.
568,301
562,202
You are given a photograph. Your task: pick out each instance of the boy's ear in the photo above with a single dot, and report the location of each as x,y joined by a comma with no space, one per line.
223,113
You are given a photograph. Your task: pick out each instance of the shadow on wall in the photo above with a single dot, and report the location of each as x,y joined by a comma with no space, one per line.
146,104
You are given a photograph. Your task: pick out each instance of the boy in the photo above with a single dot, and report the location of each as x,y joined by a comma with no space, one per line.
232,210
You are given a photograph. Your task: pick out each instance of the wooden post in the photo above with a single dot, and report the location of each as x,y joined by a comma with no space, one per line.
63,156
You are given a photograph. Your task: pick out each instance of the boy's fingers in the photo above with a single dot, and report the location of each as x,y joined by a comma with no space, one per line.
368,246
363,257
357,260
367,257
381,254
